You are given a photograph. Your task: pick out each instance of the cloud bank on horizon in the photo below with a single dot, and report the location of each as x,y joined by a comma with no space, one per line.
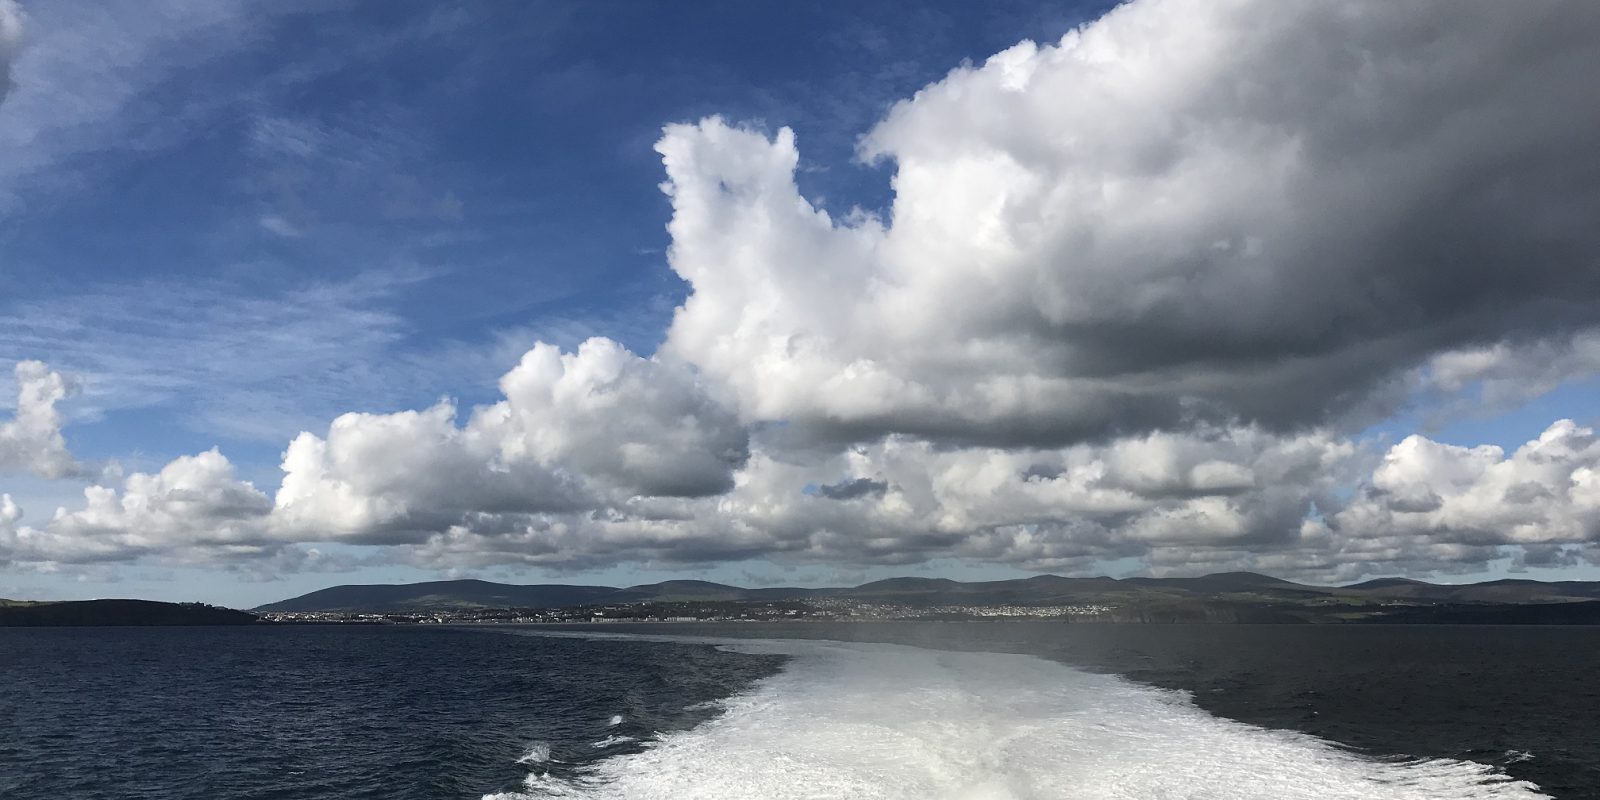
1138,295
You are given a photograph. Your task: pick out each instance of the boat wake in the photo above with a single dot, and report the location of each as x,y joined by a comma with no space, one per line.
891,722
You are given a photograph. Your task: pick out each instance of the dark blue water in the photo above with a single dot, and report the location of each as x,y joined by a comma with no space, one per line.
329,712
423,712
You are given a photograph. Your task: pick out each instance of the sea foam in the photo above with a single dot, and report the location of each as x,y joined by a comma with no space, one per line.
899,723
537,753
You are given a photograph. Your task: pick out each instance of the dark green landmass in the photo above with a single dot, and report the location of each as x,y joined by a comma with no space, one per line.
442,596
117,612
1222,597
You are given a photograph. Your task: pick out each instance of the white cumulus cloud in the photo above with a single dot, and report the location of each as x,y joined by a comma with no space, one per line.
904,500
31,440
194,508
1544,492
574,431
1255,211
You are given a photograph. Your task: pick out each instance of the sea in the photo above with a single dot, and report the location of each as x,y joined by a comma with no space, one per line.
970,710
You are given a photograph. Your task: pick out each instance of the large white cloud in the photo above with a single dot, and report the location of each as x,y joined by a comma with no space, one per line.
639,425
194,508
575,431
1431,507
31,440
1545,492
1262,211
383,478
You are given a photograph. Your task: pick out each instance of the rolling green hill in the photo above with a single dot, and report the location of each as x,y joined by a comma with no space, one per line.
437,595
1222,593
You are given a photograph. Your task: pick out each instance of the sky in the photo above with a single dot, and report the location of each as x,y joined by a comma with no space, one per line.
300,294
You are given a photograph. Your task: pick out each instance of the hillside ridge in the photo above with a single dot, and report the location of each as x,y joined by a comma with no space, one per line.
1038,590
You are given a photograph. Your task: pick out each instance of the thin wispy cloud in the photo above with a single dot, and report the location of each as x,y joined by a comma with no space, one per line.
242,362
77,91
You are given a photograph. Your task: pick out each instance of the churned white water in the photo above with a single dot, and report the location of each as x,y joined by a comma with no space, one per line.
537,753
901,723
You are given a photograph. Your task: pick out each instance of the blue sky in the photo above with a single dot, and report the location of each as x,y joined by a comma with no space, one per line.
233,222
470,178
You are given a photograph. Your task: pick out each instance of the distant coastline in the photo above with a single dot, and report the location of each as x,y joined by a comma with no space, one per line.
80,613
1225,598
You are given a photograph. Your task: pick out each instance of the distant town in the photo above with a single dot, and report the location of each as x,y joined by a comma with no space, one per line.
822,609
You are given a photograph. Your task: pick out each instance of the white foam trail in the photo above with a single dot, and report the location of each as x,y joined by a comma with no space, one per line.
536,786
613,741
887,722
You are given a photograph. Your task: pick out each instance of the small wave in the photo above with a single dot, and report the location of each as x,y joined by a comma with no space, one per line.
616,719
539,785
538,753
1518,756
613,741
